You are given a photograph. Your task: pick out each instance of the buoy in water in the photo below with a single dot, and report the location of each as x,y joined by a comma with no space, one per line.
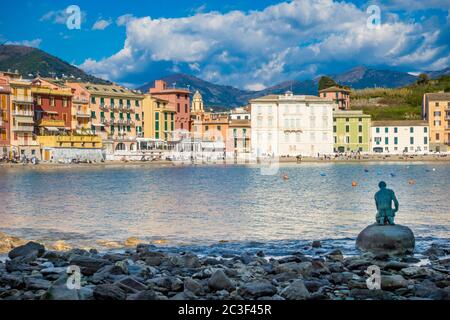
366,170
285,176
411,181
354,183
322,174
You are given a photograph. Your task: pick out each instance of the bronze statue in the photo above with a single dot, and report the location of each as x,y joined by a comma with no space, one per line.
383,200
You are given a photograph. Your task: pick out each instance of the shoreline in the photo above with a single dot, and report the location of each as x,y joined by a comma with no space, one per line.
147,272
292,160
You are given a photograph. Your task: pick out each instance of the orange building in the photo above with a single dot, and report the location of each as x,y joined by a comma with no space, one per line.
339,95
436,111
5,141
179,99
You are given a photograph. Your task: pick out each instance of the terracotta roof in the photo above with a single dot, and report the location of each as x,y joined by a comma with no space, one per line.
399,123
334,89
439,96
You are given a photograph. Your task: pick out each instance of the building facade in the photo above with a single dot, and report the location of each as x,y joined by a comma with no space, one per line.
179,99
351,131
291,125
339,95
436,111
5,119
400,137
239,132
116,115
52,106
22,137
81,112
158,118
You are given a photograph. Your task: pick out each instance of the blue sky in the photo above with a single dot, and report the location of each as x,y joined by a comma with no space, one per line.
245,43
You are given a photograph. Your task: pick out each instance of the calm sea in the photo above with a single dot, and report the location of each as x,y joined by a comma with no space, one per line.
204,205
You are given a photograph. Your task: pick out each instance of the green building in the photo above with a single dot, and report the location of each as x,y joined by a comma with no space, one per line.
351,131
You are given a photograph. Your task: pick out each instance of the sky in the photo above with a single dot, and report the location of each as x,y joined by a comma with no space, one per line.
249,44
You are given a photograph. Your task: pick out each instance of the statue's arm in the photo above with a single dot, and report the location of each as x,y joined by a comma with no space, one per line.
394,198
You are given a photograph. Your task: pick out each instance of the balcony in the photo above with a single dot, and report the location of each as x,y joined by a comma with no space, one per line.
79,100
23,128
121,121
104,121
104,107
22,113
130,122
83,114
22,99
51,123
114,107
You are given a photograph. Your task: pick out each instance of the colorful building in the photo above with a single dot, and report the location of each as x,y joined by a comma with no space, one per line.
81,112
158,118
436,111
239,132
5,141
351,131
116,115
52,106
22,137
291,125
65,148
402,136
340,96
179,99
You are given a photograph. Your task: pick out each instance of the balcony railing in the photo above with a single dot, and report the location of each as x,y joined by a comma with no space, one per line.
82,114
23,128
130,122
23,113
22,99
80,100
104,107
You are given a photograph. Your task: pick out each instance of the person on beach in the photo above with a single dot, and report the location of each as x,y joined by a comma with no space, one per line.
383,201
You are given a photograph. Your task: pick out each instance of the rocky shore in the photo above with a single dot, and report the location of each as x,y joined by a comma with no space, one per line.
147,273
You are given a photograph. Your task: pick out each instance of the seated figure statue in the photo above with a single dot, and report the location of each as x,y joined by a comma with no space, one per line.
383,200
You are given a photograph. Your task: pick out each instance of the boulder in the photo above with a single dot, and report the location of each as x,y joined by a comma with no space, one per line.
109,292
257,289
88,265
219,281
296,291
386,239
26,250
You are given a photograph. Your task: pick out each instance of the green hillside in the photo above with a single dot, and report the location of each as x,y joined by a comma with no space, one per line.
399,103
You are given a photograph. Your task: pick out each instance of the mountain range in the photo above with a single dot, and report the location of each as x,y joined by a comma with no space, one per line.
31,61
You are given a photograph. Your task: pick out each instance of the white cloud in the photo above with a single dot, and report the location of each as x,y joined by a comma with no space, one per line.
101,24
255,87
283,41
35,43
59,16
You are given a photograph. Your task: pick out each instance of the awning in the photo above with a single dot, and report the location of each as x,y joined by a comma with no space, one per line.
51,129
98,124
50,112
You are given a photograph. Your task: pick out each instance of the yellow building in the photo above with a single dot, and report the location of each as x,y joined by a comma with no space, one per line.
436,111
158,118
23,141
69,147
116,115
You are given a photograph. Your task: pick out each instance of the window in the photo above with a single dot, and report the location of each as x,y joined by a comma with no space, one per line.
128,128
347,139
360,139
386,140
218,128
377,130
437,137
360,129
395,140
157,122
425,129
185,108
437,113
347,119
411,129
128,103
334,129
206,128
386,129
178,107
111,114
93,116
347,128
411,140
93,100
136,103
395,130
425,140
112,101
360,119
52,102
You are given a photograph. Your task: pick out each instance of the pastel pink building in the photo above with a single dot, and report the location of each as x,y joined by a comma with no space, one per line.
179,99
340,96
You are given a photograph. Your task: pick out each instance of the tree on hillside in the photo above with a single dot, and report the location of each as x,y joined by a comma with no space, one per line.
326,82
423,78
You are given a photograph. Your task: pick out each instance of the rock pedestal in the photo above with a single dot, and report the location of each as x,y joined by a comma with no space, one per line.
386,239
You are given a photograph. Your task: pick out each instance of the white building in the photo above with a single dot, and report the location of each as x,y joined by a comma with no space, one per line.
291,125
397,137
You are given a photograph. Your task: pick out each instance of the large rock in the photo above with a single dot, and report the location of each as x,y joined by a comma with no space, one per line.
386,239
219,281
88,265
296,291
27,249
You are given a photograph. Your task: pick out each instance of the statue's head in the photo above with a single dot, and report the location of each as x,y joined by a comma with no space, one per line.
382,185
